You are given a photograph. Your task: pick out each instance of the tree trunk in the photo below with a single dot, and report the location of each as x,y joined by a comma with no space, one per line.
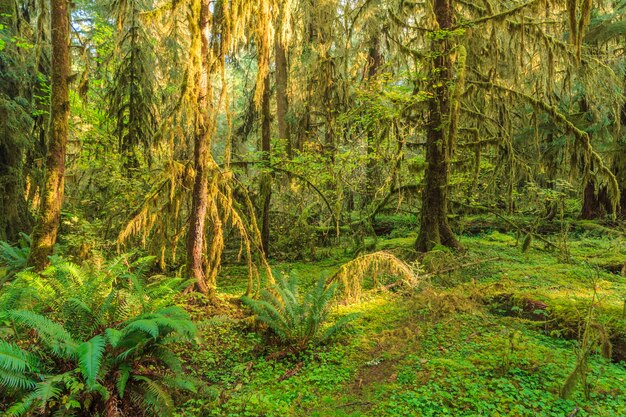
374,61
434,227
619,166
47,226
282,101
200,196
266,180
595,205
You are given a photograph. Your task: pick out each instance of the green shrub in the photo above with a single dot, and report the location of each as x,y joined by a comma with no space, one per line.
297,321
91,341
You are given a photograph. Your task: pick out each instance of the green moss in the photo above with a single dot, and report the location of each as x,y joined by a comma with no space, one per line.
442,351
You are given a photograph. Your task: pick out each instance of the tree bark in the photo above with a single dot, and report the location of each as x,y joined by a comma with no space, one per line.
595,204
374,61
200,196
47,226
282,100
434,227
619,166
266,180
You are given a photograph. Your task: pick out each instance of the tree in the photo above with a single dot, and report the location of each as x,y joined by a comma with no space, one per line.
132,97
434,227
202,140
282,81
47,225
265,185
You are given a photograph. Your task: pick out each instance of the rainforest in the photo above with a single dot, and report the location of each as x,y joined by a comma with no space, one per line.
313,208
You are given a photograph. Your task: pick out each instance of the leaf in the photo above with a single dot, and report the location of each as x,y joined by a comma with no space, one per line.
123,379
13,358
52,334
15,380
90,358
145,325
114,336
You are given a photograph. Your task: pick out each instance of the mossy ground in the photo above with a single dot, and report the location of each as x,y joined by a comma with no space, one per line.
448,348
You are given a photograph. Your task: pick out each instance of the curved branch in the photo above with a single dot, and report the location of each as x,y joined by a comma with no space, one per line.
317,190
581,136
494,16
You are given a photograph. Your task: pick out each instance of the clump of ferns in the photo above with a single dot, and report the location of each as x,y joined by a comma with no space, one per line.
81,341
298,320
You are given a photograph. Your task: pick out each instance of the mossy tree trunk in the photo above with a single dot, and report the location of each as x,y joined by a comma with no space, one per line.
47,226
266,179
619,164
434,227
374,62
200,196
282,100
596,203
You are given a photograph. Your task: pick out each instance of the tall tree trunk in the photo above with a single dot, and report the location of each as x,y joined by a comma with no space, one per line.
282,101
434,227
619,166
595,204
374,61
47,226
200,196
266,180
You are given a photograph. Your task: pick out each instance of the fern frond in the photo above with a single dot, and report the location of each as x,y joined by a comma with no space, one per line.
114,336
22,407
52,334
338,325
157,397
45,392
15,380
14,358
122,379
144,325
90,358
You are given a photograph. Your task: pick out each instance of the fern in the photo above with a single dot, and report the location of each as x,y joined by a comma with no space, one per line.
296,320
15,380
122,380
105,325
147,326
22,407
14,258
90,358
52,334
45,392
14,358
157,397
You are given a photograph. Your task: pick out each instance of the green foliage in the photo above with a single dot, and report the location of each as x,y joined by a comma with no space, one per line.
298,321
14,258
97,335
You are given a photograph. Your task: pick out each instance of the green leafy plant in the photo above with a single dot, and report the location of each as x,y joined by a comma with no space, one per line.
298,320
14,258
98,341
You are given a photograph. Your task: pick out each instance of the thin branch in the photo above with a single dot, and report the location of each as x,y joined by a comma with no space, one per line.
495,16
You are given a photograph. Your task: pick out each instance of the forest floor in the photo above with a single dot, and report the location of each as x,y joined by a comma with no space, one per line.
493,338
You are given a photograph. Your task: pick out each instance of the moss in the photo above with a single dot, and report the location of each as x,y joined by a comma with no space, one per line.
443,350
